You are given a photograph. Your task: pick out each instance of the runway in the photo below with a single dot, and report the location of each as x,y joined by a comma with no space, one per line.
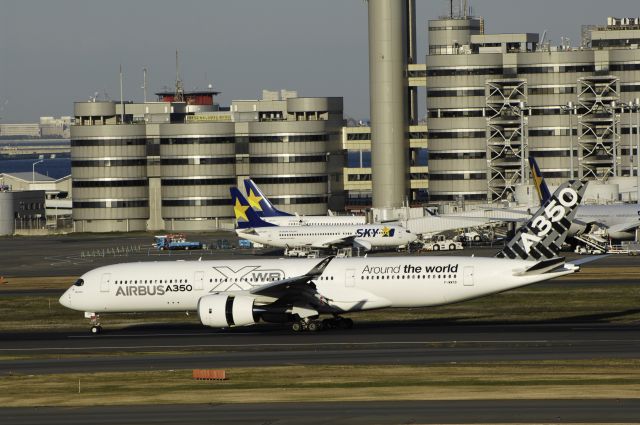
368,343
391,343
391,412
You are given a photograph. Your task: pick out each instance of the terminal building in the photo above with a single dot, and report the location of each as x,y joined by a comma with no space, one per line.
493,99
169,164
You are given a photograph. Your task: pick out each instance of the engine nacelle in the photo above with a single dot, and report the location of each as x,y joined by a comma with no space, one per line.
224,311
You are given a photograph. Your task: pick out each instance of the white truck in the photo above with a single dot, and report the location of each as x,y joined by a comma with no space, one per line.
301,251
441,243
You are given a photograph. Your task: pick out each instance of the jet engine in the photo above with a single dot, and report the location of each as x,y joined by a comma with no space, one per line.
224,311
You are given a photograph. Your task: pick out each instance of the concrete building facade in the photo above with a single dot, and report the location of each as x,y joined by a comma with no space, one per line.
356,141
169,165
494,99
21,209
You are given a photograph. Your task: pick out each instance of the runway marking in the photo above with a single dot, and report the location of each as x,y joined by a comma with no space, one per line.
337,344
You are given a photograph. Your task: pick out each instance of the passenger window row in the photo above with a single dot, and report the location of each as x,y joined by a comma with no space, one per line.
412,276
149,281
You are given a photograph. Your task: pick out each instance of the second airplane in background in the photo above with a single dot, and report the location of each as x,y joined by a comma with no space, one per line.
367,236
620,221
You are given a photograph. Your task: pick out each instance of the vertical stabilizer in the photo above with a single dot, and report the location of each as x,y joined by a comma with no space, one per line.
259,202
543,235
246,217
538,181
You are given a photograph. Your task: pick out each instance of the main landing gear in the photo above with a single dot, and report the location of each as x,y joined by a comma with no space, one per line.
317,325
94,321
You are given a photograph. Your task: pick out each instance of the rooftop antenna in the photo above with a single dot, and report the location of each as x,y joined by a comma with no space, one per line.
179,95
144,83
121,98
466,5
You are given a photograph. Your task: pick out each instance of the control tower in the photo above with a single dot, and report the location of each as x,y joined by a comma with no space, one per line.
391,48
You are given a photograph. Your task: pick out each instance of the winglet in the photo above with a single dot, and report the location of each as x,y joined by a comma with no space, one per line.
543,235
319,268
259,202
538,181
246,217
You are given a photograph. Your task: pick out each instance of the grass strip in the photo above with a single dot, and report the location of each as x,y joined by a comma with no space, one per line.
503,380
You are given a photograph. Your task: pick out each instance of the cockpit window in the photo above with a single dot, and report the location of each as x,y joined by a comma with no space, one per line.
79,282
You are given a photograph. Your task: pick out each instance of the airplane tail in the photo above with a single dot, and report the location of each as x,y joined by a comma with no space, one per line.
543,235
246,217
259,202
538,180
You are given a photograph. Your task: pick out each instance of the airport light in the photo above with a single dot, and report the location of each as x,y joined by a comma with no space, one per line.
571,108
33,169
522,146
637,108
614,145
629,105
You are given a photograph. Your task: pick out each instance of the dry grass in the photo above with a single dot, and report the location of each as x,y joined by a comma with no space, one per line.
513,380
9,283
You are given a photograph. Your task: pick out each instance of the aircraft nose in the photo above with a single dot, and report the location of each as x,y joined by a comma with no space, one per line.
65,299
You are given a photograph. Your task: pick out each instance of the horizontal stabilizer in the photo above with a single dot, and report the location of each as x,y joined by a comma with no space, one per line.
541,267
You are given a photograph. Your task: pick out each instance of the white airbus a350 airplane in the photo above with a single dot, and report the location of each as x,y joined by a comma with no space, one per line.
231,293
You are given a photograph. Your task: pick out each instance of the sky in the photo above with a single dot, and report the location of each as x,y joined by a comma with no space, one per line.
55,52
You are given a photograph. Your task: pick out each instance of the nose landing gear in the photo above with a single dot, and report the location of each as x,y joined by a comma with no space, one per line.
94,321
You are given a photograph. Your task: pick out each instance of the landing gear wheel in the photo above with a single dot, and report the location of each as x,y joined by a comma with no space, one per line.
329,324
345,323
94,322
296,326
314,326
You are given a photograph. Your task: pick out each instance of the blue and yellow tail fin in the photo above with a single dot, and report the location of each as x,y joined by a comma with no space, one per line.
538,181
259,202
246,217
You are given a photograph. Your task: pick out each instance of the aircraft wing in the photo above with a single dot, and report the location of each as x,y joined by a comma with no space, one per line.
509,210
362,243
345,241
297,288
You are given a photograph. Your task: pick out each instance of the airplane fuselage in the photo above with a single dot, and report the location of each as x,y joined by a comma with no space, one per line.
327,236
610,217
349,284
